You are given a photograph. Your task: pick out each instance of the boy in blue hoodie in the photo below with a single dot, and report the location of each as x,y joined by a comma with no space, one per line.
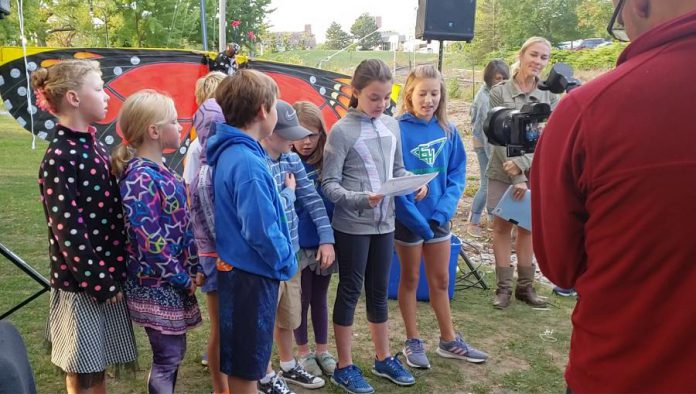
252,237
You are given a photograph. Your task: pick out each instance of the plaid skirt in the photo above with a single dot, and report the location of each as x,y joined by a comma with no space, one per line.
87,336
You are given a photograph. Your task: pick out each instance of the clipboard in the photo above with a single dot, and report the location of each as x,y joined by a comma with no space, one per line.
517,212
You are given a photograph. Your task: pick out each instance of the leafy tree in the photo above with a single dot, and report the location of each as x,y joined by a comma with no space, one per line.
488,31
554,20
245,21
35,24
593,16
363,26
336,38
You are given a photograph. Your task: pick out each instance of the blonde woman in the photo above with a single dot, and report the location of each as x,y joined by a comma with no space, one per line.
505,171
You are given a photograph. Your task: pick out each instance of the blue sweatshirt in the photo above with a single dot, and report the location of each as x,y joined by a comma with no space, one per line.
251,230
304,196
309,237
428,148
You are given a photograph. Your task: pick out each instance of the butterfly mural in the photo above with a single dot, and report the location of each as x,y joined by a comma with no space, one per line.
125,71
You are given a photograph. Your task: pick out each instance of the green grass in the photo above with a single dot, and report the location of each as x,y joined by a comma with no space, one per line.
520,359
345,62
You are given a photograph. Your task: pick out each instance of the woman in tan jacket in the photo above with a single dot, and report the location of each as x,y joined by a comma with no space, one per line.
504,171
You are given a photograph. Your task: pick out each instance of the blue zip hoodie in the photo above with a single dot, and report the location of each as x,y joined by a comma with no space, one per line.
250,227
428,148
309,237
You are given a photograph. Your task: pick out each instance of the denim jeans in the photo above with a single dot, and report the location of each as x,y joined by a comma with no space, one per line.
480,198
167,353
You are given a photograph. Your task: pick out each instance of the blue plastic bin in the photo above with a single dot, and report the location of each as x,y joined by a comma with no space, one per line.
422,291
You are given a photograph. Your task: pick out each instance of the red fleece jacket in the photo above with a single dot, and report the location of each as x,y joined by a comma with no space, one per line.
614,211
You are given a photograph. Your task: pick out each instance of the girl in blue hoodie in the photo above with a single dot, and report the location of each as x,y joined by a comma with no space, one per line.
429,144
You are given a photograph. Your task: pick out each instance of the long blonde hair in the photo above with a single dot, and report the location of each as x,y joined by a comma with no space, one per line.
515,68
52,83
426,71
206,85
141,110
310,115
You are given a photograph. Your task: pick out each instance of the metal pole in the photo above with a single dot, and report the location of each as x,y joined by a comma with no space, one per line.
222,36
440,55
29,270
204,26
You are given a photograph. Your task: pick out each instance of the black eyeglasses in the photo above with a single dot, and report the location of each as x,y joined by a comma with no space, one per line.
616,27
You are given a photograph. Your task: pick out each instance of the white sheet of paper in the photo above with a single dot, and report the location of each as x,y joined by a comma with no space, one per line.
405,184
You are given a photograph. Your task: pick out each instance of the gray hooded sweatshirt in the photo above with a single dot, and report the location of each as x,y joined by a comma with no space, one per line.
362,153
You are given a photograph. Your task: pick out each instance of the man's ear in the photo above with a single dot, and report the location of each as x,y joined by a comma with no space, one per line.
641,8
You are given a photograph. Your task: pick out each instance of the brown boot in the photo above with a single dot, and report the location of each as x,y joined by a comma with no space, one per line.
504,290
525,289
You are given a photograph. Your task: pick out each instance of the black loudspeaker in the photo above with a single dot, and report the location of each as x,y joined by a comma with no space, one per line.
446,20
4,8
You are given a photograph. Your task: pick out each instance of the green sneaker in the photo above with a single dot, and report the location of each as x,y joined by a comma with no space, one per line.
327,363
309,363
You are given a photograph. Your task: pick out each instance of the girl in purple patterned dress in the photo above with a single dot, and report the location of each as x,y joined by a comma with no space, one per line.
162,260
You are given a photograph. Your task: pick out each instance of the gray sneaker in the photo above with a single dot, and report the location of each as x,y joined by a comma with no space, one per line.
310,364
415,354
460,350
327,363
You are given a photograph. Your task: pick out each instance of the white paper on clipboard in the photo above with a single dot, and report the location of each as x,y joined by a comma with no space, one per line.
405,185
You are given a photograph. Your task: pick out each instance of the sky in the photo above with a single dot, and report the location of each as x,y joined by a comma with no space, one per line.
292,15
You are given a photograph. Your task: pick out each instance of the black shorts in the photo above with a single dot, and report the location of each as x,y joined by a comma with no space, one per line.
404,236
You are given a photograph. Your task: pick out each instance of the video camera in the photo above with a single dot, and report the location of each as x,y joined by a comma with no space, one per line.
519,130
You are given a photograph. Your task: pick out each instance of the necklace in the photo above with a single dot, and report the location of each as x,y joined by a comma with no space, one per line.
524,86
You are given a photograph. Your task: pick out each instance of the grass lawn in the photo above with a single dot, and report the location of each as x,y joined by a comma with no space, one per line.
345,62
522,359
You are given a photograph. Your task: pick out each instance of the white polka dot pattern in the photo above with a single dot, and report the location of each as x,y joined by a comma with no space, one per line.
79,196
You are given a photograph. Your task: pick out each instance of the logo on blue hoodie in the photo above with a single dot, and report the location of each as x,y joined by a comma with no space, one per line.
429,152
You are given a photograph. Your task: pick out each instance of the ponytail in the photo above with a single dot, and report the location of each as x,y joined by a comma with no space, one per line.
120,158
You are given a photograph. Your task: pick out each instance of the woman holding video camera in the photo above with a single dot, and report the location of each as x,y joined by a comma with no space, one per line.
504,171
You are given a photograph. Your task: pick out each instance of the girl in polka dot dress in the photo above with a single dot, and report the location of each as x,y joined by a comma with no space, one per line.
88,325
163,269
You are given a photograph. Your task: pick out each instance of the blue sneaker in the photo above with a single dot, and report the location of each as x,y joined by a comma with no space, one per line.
564,292
392,369
460,350
351,379
415,354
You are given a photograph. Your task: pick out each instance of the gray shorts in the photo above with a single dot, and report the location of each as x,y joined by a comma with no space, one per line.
404,236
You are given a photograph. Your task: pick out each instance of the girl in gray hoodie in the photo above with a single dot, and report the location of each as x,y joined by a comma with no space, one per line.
362,152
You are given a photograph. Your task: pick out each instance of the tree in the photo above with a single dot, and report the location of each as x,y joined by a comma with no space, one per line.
362,27
488,31
336,38
593,16
35,25
245,21
554,20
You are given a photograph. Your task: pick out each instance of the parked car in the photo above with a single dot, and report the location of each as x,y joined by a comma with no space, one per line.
584,43
591,43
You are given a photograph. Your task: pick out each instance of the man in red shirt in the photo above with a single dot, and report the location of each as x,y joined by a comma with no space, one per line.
614,207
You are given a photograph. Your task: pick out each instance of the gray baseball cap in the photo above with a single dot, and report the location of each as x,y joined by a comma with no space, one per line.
288,125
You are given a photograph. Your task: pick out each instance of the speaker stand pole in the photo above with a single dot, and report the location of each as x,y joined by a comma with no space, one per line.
440,55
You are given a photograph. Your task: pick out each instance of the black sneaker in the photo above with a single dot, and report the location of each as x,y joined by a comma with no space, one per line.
300,377
276,385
